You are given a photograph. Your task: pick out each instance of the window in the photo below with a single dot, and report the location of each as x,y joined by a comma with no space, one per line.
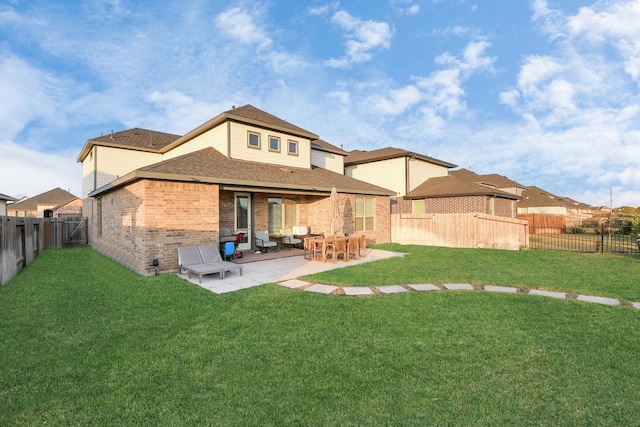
99,216
292,147
274,143
365,209
253,140
283,214
418,207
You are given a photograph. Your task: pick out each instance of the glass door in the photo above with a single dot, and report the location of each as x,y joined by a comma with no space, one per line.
243,219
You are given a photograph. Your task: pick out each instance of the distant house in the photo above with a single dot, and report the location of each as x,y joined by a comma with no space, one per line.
448,194
399,170
4,200
147,193
45,205
535,200
494,180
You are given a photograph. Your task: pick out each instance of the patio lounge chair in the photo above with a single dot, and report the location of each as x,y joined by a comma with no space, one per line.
191,260
262,241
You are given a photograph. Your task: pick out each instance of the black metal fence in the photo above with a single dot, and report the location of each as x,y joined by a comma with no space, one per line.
612,236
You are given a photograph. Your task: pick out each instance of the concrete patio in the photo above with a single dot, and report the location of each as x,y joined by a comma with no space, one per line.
277,270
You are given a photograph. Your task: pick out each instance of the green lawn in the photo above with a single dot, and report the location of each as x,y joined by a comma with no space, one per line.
87,342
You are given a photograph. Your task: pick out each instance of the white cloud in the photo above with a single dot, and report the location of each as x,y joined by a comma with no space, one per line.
240,25
27,172
324,9
362,38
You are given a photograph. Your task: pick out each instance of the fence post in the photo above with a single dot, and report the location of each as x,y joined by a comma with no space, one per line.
602,238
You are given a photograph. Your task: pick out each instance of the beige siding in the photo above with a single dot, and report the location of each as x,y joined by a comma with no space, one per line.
388,174
420,171
329,161
240,150
88,174
111,164
216,138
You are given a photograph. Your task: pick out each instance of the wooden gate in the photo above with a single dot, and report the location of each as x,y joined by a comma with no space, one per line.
65,231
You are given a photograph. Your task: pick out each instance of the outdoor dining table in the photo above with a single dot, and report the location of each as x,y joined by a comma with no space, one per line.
334,248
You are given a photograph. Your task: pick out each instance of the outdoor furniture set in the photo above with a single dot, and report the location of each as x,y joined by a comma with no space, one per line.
333,248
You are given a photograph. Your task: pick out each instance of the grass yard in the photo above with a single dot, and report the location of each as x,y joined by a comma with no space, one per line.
592,274
86,341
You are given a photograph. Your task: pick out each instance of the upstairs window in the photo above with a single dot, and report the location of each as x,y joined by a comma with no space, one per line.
292,147
253,140
274,144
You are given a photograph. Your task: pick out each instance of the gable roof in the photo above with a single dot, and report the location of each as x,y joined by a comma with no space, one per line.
449,186
133,139
210,166
7,198
247,114
160,142
357,157
54,197
492,180
319,144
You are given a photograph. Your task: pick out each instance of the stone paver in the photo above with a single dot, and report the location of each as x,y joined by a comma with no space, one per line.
321,289
458,286
598,300
636,305
493,288
559,295
294,283
393,289
358,290
425,287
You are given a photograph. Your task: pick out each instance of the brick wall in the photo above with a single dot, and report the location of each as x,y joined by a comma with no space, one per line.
149,219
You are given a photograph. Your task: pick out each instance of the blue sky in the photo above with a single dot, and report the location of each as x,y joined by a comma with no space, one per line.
545,92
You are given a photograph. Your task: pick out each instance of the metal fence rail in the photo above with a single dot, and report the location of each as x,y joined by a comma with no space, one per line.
610,237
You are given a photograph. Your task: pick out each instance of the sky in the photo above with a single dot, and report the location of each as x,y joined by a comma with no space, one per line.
545,92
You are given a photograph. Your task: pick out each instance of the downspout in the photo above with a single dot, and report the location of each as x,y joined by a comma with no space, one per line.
229,139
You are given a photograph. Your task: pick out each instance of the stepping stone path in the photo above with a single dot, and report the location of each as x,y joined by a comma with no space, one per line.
354,291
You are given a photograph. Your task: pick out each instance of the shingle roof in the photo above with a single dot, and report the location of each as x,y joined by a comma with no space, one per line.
209,165
537,197
359,156
493,180
250,112
135,139
321,145
449,186
7,198
54,197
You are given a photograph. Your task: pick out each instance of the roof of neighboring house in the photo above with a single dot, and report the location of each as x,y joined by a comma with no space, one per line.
449,186
54,197
160,142
493,179
537,197
319,144
7,198
357,157
210,166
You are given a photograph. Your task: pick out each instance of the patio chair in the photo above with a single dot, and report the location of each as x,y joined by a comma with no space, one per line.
211,256
190,260
289,240
262,241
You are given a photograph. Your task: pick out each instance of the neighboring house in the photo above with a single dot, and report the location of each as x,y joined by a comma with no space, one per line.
43,205
147,193
535,200
4,200
399,170
448,194
494,180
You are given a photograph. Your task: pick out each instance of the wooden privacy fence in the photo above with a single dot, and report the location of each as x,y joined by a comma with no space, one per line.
464,230
21,239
